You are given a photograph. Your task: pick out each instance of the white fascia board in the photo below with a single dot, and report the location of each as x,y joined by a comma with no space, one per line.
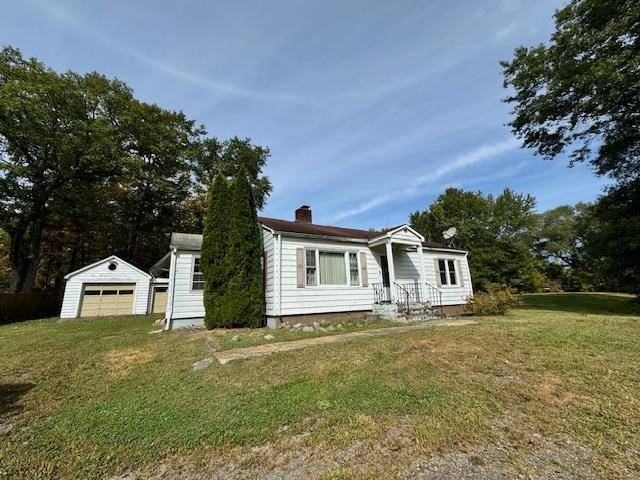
112,257
322,237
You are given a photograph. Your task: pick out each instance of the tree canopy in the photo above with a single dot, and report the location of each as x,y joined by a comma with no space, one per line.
581,91
580,94
86,168
498,232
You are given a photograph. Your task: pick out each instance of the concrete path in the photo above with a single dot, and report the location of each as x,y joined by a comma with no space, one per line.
227,356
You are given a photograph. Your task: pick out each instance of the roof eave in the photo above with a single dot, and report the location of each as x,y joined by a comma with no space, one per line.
445,249
321,237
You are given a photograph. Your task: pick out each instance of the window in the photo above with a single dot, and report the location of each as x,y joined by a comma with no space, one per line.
332,268
442,267
354,272
197,281
447,270
451,266
311,267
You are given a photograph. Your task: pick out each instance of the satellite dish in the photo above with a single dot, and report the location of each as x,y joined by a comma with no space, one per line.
450,233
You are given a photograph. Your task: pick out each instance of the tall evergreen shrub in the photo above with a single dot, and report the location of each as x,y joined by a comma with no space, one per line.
214,252
244,298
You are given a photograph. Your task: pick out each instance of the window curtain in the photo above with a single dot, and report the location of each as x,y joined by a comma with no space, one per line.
332,269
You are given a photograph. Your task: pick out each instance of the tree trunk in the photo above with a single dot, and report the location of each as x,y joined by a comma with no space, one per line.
25,256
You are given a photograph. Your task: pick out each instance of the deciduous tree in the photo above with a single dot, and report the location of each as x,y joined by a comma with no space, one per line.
496,230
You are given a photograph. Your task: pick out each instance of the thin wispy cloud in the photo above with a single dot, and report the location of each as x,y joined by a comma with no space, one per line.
370,109
507,31
480,154
63,15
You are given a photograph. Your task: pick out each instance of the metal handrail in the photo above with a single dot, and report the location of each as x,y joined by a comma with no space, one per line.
380,293
435,297
406,292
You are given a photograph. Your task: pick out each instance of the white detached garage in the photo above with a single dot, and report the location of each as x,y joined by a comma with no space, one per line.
108,287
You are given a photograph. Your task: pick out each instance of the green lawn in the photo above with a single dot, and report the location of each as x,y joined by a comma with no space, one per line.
93,399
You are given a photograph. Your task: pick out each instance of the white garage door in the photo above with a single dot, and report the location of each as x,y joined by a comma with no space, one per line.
100,300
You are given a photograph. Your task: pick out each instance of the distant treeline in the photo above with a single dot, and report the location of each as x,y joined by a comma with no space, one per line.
571,248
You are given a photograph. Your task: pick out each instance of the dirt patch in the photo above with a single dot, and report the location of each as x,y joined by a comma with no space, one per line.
514,450
507,449
120,362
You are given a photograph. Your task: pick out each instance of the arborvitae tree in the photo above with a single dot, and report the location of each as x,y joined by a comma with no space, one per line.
214,253
244,299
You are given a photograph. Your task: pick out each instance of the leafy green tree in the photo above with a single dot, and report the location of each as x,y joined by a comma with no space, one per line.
497,231
155,179
560,244
5,264
213,157
581,92
612,240
55,129
243,301
87,170
214,254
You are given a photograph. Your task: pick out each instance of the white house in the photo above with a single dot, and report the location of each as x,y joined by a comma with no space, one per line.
318,273
311,273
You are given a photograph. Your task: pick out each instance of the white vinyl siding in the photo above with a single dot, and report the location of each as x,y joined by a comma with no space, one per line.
407,267
451,294
187,303
268,245
407,237
324,298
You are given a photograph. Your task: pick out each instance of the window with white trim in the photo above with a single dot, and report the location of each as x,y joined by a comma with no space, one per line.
354,271
331,268
447,271
311,267
197,279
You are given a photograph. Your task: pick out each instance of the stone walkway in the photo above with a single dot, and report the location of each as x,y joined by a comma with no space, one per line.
227,356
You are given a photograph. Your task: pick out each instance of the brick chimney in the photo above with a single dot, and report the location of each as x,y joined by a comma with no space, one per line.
303,214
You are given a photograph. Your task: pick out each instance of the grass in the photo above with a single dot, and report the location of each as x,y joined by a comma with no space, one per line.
587,303
91,399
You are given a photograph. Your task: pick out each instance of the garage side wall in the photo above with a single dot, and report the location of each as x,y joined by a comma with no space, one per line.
101,274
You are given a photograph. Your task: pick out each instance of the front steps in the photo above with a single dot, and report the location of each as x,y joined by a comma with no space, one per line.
413,312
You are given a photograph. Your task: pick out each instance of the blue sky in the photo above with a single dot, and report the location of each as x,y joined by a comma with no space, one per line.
370,108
